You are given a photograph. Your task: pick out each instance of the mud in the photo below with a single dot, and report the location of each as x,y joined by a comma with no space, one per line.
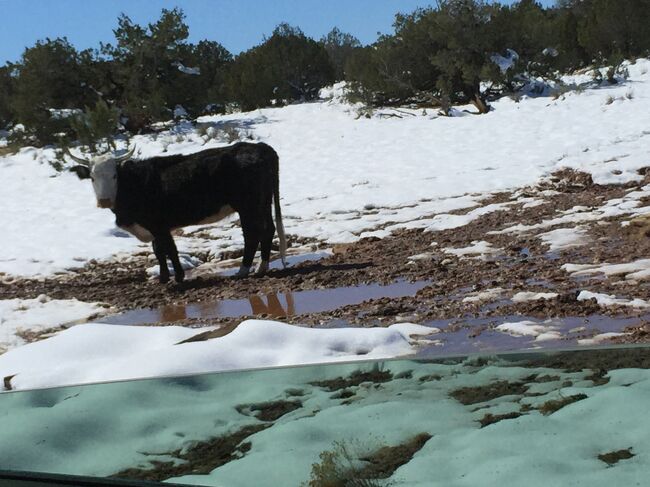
269,411
356,378
549,407
488,392
489,419
385,461
375,282
199,459
613,457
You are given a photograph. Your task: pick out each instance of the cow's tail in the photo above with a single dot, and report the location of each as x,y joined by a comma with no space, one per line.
278,214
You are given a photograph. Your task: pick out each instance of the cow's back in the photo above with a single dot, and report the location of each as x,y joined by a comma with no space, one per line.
179,190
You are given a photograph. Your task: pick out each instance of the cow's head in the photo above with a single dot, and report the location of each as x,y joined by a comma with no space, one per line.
102,170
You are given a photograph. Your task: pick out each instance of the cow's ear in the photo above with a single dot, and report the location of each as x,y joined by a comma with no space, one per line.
82,172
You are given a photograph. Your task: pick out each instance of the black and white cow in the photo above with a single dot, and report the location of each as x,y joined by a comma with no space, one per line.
152,197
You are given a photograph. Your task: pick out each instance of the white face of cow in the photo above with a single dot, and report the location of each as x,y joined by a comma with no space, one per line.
102,170
103,173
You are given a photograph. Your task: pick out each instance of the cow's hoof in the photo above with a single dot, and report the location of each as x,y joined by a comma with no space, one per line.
262,269
242,272
163,279
179,277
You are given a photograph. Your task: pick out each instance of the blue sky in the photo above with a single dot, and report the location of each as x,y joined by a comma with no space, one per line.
237,24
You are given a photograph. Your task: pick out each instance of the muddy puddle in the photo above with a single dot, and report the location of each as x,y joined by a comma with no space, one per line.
271,305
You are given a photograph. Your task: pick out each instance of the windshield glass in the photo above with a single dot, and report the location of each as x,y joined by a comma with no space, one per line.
536,418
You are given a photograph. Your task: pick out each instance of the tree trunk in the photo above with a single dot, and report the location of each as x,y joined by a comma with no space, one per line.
445,106
480,104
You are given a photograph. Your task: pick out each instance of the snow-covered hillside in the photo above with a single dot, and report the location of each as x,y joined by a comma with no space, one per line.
344,176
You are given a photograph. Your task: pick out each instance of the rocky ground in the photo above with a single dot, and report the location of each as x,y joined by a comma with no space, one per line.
502,255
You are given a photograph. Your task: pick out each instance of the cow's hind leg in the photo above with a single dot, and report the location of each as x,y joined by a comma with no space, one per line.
268,230
251,229
164,247
159,249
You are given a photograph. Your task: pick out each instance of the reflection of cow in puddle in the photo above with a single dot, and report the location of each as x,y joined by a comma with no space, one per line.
254,305
273,307
172,313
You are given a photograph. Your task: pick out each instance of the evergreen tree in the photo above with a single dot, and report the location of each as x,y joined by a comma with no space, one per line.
48,80
145,67
465,44
339,47
288,66
6,95
397,67
205,65
96,124
611,29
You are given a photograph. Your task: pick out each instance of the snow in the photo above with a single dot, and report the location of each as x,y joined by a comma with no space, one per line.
505,62
187,70
39,314
97,352
63,113
608,300
486,295
636,270
344,177
600,338
479,248
524,296
540,331
48,219
564,238
628,205
102,429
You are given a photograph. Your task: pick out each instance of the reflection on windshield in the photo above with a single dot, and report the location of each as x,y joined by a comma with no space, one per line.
528,418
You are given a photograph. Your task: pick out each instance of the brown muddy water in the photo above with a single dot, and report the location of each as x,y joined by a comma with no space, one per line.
272,305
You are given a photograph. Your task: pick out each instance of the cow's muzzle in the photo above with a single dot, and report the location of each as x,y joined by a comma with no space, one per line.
104,203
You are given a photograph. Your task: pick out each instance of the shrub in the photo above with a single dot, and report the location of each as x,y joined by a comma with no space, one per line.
288,66
96,124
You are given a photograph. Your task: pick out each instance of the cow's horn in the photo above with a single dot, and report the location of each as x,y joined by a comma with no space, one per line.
80,160
126,156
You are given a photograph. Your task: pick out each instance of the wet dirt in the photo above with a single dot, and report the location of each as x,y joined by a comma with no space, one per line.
374,282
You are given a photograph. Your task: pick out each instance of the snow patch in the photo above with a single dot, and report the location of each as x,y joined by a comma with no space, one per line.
636,270
479,248
540,331
41,313
609,300
564,238
600,338
487,295
99,352
525,296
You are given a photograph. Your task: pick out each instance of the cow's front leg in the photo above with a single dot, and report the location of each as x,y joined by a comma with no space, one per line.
179,273
159,249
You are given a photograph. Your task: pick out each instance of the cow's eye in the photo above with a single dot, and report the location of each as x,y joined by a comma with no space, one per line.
92,179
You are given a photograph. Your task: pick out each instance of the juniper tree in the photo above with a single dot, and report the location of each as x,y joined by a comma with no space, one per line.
339,47
6,93
48,79
288,66
144,65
